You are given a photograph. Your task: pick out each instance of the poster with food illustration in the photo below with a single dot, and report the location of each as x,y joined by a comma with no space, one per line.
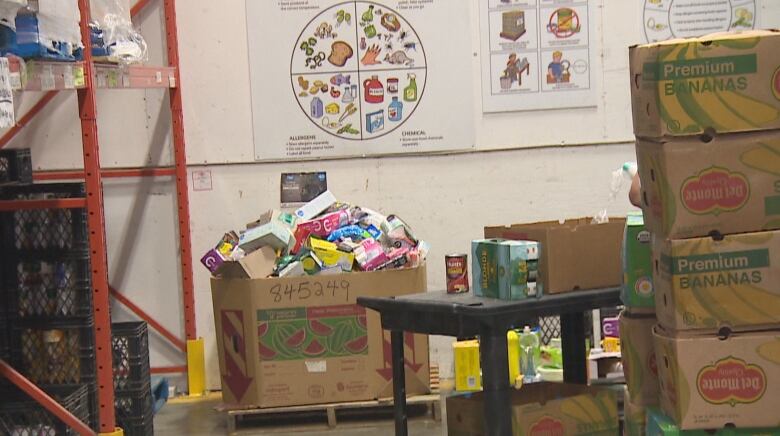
669,19
537,54
358,78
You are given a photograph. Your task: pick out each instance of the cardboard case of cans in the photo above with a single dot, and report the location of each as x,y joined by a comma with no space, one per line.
707,121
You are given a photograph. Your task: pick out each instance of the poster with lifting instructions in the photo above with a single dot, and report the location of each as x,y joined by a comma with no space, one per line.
336,78
537,54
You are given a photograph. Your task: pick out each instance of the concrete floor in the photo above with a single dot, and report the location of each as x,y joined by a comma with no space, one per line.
200,418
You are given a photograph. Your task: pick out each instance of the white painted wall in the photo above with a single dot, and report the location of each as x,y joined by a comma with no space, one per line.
448,199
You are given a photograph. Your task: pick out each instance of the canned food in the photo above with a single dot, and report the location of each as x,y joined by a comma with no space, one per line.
457,273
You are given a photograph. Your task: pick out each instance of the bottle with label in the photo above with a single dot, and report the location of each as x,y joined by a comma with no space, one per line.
373,90
529,350
410,92
396,110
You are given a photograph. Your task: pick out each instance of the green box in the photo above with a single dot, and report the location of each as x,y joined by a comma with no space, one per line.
504,269
637,293
659,424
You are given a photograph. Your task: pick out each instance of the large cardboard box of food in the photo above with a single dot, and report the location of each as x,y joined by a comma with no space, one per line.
707,284
729,184
717,83
659,424
304,340
638,354
637,292
541,409
634,417
575,254
711,382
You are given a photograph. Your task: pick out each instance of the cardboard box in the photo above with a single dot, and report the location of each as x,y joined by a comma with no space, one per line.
730,184
503,269
575,254
637,291
258,264
541,409
634,417
638,354
273,234
702,283
303,340
717,83
708,382
659,424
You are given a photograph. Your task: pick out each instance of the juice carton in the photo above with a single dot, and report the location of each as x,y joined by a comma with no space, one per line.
505,269
637,290
708,284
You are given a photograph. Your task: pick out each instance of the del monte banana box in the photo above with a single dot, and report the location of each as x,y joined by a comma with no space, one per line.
708,284
638,355
710,382
730,184
304,340
713,84
541,409
634,417
659,424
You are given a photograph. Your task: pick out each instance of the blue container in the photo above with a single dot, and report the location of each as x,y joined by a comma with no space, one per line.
26,42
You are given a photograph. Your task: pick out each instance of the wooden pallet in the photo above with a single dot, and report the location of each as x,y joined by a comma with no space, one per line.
429,403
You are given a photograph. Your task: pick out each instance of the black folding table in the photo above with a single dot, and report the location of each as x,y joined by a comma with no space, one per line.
465,315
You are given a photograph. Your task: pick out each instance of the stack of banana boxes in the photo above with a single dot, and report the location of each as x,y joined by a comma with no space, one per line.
707,121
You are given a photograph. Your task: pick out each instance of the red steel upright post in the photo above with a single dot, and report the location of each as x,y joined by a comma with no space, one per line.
97,235
180,157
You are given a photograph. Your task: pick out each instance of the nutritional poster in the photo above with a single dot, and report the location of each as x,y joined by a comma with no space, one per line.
354,78
536,54
667,19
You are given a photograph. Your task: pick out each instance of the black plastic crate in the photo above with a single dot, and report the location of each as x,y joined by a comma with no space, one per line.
47,289
21,415
138,426
45,230
130,345
134,404
63,352
15,166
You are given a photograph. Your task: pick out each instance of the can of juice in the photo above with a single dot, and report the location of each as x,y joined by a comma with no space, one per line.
457,273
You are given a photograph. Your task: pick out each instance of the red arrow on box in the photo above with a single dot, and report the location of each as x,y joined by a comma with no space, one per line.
387,351
234,353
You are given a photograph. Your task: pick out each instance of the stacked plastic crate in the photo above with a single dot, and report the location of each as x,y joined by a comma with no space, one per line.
132,381
45,283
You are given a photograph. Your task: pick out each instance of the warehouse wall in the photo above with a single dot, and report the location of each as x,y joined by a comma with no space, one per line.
448,199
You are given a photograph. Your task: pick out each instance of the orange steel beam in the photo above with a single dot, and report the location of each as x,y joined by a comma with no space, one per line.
106,173
180,162
59,203
169,370
46,99
178,343
44,399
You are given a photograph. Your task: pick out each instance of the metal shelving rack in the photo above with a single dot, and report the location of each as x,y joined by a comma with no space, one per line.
90,76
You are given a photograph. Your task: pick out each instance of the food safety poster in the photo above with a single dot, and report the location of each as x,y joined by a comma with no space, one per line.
668,19
537,54
353,78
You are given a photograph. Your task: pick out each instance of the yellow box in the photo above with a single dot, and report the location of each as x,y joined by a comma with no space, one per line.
468,373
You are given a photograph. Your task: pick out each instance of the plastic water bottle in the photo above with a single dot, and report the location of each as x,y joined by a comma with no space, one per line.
630,169
529,349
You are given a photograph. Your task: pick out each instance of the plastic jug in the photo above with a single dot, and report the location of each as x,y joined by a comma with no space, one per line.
395,111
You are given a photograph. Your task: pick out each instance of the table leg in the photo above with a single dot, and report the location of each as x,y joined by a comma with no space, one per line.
495,382
399,382
575,365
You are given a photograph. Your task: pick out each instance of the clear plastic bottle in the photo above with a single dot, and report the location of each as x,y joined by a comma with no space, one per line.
529,352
